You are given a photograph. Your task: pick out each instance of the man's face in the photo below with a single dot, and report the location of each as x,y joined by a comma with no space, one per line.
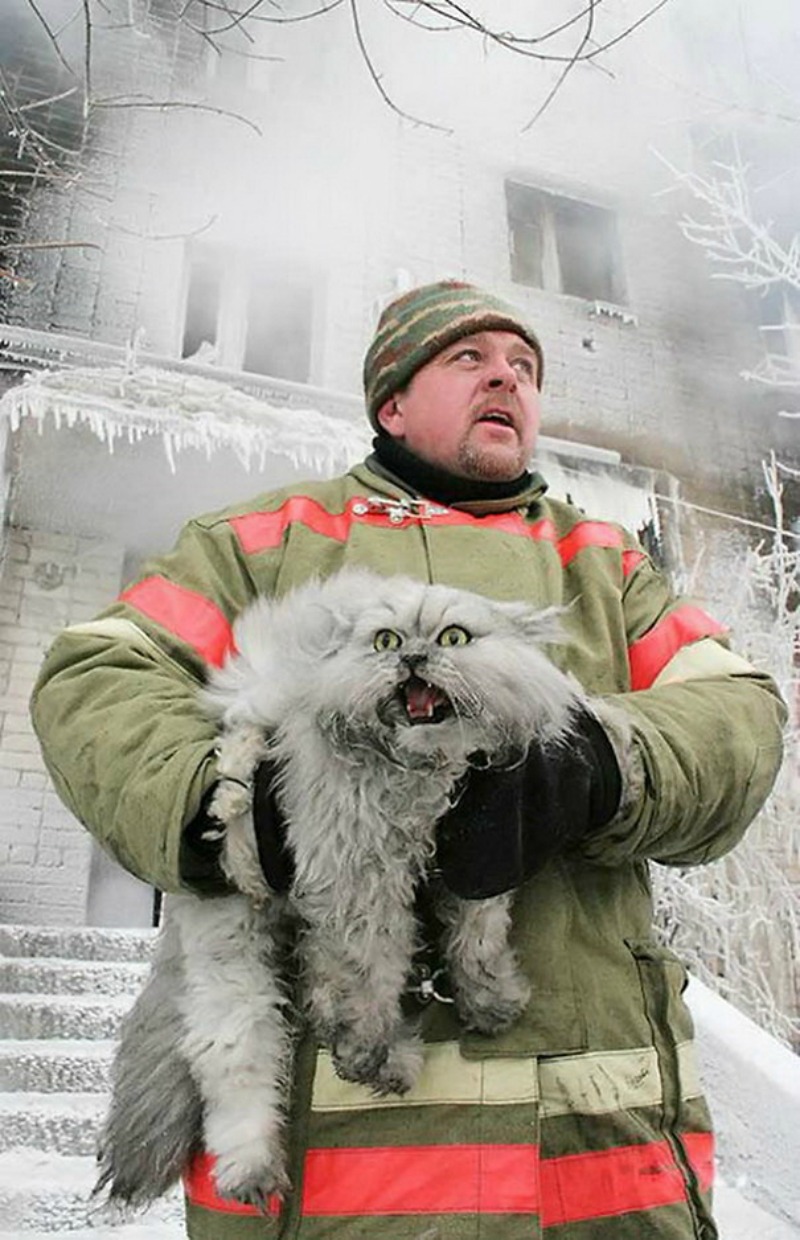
473,409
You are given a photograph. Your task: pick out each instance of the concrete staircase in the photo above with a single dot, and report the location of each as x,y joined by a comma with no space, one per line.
63,994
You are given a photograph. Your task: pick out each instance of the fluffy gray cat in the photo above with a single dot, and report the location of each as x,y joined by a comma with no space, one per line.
371,694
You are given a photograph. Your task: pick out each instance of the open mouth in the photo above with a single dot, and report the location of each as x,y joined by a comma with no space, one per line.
423,702
498,417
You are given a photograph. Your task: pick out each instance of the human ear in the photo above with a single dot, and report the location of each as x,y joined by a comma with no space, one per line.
390,417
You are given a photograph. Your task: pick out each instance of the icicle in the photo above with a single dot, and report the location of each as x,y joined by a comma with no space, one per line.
188,410
167,441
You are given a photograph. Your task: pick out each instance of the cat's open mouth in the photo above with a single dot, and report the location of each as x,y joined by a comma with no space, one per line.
424,702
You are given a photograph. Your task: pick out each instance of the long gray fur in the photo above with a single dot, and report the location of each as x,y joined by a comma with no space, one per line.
206,1054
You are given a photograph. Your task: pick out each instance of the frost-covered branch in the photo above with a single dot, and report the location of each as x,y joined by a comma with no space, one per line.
745,249
736,922
742,247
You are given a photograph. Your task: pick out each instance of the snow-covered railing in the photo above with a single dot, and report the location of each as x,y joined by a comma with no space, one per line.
129,401
753,1086
24,349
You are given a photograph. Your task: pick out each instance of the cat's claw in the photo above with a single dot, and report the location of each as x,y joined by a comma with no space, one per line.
258,1189
388,1068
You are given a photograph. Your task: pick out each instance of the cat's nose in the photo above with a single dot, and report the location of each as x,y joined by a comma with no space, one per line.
413,661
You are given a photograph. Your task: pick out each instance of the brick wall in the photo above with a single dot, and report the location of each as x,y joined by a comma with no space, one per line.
665,392
48,580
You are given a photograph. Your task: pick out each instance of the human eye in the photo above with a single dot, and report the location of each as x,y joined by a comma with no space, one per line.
524,366
469,353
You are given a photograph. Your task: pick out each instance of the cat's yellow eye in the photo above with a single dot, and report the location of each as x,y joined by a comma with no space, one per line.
387,639
454,635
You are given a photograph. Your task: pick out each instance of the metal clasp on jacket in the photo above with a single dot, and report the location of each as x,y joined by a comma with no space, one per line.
429,983
398,510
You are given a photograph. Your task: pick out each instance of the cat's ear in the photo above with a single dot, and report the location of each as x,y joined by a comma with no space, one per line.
321,630
542,626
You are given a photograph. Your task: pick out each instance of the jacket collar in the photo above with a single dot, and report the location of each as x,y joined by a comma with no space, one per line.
374,475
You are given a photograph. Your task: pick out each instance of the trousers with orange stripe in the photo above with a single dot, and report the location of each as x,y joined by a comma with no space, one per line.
502,1149
583,1120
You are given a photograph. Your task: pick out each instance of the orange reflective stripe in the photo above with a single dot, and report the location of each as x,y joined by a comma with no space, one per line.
618,1181
651,653
186,614
263,531
481,1179
201,1190
430,1179
699,1148
629,561
260,531
588,534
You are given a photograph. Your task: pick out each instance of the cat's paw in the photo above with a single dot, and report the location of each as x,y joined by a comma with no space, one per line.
258,1186
358,1061
386,1067
491,1009
401,1068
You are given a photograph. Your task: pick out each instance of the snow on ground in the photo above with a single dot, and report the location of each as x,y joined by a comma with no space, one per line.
739,1219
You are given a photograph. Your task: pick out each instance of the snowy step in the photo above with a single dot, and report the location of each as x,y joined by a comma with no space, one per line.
740,1219
76,943
63,1123
54,975
143,1230
51,1193
62,1016
56,1065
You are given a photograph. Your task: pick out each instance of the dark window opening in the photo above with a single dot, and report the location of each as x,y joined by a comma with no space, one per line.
248,316
278,338
526,227
564,245
202,305
587,250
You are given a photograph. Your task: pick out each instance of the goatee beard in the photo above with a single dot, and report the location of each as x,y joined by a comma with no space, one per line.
486,467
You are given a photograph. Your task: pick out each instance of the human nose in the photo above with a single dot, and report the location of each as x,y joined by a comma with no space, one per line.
501,374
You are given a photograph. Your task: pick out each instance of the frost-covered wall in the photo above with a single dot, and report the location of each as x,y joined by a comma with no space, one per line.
288,194
49,580
299,201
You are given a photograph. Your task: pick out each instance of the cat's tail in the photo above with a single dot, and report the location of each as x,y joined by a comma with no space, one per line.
154,1123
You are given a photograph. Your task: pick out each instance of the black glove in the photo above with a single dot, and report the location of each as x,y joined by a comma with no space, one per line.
201,842
506,822
269,824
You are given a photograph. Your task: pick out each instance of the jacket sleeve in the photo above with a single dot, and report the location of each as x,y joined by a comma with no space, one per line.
699,735
116,707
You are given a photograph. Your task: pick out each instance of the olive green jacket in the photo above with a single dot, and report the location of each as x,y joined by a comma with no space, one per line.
131,753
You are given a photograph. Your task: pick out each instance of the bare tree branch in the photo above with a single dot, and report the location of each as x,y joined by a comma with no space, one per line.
52,37
66,25
87,56
526,46
562,77
376,77
253,15
151,236
43,103
167,105
238,20
628,30
49,245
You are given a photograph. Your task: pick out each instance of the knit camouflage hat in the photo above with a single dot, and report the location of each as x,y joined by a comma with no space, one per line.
418,325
